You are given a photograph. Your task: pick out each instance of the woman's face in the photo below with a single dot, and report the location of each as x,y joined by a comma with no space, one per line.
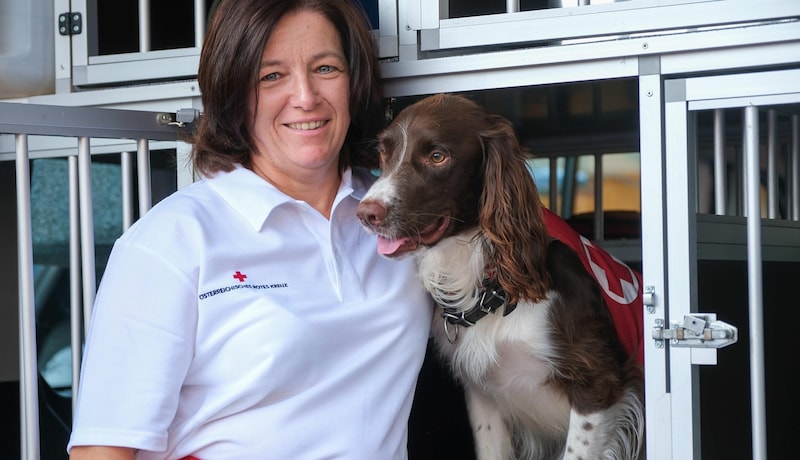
302,113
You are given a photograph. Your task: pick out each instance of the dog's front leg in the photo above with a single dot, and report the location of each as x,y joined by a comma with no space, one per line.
492,436
615,433
587,436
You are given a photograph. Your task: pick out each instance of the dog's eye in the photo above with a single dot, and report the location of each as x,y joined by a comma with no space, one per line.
437,157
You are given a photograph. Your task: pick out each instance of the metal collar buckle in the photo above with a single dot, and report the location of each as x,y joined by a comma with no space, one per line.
492,298
457,318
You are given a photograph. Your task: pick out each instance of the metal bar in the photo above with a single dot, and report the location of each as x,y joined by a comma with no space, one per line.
568,186
720,169
87,227
199,22
790,150
772,165
743,171
126,174
554,184
35,119
144,26
599,230
512,6
681,266
28,374
754,276
653,191
795,163
143,163
76,329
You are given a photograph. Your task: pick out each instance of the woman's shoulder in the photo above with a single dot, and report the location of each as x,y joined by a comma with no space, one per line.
182,212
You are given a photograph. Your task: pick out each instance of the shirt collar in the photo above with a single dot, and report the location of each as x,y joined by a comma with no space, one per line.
254,198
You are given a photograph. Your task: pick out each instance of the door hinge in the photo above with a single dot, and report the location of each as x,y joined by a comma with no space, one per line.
700,330
70,23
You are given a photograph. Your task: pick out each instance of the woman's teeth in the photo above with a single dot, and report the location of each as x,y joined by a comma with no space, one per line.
306,125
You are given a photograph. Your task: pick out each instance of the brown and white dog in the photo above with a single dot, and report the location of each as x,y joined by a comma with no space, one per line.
547,377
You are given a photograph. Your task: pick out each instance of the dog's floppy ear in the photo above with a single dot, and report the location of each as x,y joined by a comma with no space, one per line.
510,214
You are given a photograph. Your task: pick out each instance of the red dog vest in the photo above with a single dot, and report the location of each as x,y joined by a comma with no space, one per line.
621,286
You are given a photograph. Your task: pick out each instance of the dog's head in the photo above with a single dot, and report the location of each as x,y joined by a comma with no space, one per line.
431,158
447,167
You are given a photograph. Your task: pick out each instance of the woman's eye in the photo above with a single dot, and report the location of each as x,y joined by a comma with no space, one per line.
325,69
270,77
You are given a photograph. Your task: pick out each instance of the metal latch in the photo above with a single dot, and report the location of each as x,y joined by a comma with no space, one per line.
701,330
180,118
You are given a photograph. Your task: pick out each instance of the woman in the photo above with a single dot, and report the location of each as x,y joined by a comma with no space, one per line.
249,316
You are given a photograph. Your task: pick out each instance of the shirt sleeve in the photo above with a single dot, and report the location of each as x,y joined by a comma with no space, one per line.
138,350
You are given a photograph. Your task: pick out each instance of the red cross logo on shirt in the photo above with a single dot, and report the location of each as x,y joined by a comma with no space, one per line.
240,276
614,277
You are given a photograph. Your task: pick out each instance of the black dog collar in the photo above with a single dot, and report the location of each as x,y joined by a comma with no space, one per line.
491,298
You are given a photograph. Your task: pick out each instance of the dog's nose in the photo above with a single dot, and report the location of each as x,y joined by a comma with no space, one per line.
371,214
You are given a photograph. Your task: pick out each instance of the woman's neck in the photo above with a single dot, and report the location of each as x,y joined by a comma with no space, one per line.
317,190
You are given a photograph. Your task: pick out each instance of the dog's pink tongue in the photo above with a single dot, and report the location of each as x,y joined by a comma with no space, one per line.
387,246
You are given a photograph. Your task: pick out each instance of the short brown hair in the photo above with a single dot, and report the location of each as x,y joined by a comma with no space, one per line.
228,75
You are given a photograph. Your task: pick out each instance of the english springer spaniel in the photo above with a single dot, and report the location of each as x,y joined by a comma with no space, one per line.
522,323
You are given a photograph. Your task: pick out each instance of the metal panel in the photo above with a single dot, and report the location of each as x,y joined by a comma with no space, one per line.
66,121
150,66
725,238
501,70
735,49
705,92
680,53
609,21
388,39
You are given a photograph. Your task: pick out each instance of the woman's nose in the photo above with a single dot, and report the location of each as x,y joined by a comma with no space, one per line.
304,92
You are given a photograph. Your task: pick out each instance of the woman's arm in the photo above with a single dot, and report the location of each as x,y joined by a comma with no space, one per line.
101,453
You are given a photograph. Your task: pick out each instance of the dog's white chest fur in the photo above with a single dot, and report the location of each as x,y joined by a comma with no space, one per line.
502,358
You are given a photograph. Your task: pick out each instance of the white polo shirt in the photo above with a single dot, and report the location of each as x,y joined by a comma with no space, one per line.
234,322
